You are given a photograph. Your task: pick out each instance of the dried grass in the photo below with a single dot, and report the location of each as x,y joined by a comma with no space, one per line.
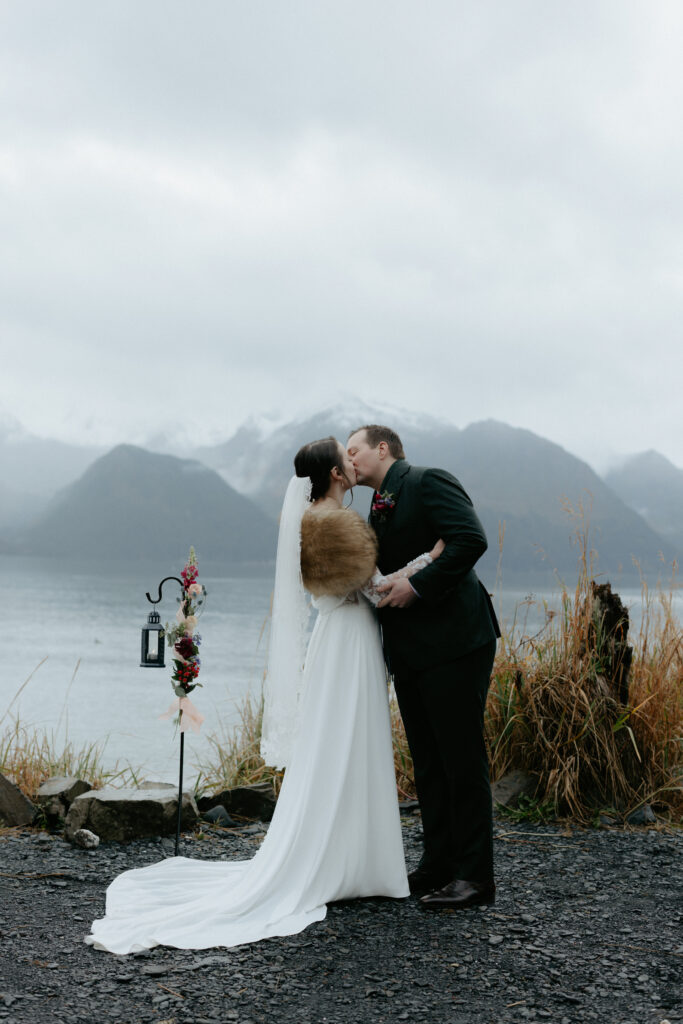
234,758
551,711
403,761
29,756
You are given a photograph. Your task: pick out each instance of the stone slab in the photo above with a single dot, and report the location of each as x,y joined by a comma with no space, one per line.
64,788
126,814
15,808
507,791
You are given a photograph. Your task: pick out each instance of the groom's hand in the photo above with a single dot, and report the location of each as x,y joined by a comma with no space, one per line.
397,595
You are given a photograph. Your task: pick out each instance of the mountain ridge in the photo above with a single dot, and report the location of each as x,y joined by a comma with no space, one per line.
514,477
517,479
652,485
135,504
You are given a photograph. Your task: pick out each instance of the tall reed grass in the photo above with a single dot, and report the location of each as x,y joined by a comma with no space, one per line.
29,756
551,712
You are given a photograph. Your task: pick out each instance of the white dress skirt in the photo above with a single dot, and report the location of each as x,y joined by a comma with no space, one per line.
335,833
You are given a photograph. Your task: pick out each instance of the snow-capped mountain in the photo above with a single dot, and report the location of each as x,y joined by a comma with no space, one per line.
520,484
258,459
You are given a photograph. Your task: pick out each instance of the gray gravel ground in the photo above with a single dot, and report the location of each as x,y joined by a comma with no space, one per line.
586,927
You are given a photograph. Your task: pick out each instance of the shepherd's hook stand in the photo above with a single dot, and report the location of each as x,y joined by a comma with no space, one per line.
182,734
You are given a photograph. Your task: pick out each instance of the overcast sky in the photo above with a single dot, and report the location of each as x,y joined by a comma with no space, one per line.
215,209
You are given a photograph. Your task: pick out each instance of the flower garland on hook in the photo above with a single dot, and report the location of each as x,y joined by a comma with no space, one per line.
185,642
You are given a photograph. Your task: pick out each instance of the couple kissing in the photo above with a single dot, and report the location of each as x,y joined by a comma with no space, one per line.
398,593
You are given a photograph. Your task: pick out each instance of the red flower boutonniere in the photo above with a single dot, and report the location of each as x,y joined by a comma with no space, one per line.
382,504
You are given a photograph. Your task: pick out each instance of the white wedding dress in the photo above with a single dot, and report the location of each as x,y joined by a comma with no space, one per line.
335,833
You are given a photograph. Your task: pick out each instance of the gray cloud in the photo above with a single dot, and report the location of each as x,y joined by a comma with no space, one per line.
471,209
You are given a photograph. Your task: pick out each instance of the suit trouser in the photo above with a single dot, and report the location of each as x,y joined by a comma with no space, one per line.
443,714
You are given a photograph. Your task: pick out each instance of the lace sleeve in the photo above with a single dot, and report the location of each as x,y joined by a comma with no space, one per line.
378,580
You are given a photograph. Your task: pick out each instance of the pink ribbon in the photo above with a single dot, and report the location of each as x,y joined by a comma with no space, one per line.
190,717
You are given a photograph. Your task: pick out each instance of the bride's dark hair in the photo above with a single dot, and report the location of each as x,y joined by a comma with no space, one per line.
317,459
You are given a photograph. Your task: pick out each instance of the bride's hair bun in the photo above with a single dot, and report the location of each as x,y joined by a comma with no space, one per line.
317,459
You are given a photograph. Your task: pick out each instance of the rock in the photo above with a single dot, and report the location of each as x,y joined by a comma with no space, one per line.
158,785
15,808
64,788
257,801
56,795
86,839
508,790
219,816
125,814
409,806
642,816
54,811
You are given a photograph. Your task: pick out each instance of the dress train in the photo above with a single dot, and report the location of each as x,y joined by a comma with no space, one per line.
335,833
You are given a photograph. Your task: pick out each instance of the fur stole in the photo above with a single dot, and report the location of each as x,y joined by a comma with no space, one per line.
338,552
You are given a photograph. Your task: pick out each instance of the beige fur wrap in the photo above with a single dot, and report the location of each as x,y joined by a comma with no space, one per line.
338,552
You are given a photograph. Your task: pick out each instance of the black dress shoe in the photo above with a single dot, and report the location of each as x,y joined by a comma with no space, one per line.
460,894
422,881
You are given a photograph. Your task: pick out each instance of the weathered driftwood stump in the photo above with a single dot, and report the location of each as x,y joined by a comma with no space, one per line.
608,640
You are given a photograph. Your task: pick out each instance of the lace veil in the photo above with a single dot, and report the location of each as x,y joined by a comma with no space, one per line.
289,621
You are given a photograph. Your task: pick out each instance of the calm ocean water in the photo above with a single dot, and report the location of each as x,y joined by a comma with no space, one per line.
87,622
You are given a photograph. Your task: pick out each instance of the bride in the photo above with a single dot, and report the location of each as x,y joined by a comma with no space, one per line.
336,832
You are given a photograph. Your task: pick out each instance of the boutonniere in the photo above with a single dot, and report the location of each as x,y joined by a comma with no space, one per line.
382,504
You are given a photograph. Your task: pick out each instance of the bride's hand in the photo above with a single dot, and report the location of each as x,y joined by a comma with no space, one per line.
438,548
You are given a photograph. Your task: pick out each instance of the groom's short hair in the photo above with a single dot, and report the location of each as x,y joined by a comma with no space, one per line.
374,433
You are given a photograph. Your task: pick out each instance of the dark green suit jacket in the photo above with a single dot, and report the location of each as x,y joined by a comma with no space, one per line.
453,614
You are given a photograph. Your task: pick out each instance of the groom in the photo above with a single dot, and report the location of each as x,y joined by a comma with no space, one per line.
439,634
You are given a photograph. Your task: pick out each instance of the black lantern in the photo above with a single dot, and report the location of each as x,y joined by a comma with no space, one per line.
152,642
